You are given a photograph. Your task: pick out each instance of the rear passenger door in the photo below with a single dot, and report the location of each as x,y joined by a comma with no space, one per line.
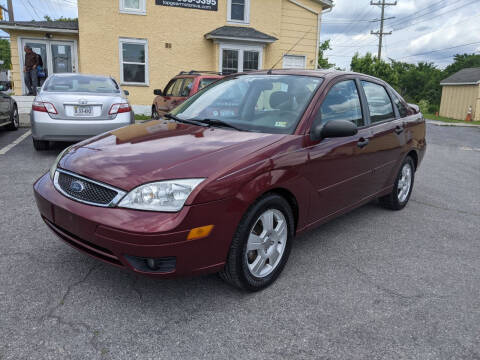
387,133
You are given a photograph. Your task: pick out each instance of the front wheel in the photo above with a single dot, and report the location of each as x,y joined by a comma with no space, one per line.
14,119
261,244
402,189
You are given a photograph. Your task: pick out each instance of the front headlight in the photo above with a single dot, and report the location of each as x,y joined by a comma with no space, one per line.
57,160
166,196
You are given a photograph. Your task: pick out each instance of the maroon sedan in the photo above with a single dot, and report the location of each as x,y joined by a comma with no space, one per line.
227,180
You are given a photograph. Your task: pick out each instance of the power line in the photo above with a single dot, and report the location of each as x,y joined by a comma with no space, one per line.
437,50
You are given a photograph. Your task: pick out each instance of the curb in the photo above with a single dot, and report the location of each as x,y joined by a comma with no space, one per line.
441,123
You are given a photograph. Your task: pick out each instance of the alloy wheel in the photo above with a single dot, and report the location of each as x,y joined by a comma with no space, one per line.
404,183
266,243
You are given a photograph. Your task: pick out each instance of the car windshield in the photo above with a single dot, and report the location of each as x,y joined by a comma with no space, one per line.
260,103
81,83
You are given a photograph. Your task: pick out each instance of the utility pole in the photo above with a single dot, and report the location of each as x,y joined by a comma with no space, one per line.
380,33
10,10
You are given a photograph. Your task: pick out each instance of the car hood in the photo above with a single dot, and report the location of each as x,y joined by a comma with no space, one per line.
162,150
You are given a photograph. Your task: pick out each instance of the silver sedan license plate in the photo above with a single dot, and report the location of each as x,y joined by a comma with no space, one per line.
82,110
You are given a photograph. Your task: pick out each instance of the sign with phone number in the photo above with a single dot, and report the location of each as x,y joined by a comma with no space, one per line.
211,5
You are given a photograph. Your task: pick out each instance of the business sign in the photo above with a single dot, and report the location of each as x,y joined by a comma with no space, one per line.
211,5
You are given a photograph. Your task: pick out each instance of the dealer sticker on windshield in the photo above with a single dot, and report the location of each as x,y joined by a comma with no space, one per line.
281,124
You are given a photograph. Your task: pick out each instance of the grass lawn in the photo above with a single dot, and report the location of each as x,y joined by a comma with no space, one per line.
142,117
444,119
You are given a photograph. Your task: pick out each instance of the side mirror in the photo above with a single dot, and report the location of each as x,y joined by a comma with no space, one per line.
126,92
335,128
158,92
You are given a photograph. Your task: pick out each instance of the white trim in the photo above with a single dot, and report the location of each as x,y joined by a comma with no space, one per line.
466,83
246,19
240,48
141,11
295,55
43,29
144,42
261,41
304,6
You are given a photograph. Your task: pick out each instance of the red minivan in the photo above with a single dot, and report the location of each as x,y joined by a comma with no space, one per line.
225,181
180,88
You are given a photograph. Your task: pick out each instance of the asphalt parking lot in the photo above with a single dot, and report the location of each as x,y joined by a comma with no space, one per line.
373,284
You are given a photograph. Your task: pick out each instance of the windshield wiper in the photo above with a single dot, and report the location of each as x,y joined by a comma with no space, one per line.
217,122
186,121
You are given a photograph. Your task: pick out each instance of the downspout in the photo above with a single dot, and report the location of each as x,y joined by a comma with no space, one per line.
319,25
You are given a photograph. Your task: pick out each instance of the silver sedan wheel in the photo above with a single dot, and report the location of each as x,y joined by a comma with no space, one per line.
16,120
266,243
405,182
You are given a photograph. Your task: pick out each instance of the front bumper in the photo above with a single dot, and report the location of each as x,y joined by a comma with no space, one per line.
46,128
121,236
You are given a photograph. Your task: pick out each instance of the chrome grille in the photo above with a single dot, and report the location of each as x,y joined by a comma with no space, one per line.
85,190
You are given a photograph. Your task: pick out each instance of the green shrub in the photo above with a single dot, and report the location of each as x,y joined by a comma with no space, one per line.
424,106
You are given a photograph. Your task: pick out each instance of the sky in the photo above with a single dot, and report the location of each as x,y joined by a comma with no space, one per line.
422,30
419,29
26,10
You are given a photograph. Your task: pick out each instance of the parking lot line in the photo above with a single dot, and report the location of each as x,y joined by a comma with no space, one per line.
4,150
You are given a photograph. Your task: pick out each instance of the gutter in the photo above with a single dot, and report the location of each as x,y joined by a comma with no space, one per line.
464,83
42,29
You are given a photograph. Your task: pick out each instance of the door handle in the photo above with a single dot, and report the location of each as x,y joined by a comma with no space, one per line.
398,129
362,142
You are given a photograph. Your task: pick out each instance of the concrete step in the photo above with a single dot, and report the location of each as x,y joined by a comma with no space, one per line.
24,103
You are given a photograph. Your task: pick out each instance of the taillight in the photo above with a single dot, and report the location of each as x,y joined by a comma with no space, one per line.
44,107
119,108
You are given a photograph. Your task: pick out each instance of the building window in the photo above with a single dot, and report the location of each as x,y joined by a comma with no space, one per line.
133,7
239,58
134,61
238,11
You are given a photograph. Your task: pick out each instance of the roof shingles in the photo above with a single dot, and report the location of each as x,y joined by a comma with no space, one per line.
464,76
63,25
240,32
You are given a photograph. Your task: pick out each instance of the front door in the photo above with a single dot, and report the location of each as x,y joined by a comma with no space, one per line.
57,57
339,168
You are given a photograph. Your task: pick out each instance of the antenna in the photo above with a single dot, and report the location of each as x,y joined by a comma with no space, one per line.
269,72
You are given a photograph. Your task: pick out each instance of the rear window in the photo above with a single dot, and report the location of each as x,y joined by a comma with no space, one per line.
205,82
81,83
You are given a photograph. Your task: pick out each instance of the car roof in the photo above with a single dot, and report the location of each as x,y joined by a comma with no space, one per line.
79,74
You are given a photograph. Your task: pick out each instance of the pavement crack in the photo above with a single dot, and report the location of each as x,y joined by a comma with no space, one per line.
136,289
444,208
76,326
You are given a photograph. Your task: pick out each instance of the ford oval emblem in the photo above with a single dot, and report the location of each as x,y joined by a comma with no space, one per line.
77,186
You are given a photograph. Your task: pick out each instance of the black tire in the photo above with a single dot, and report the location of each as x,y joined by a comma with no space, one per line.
392,201
14,119
236,271
40,145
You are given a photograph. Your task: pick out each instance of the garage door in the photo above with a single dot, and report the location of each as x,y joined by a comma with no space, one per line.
294,62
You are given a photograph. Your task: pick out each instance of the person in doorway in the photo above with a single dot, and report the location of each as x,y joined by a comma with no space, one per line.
30,70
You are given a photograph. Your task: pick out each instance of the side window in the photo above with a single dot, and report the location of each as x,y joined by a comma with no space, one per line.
205,82
402,109
173,89
379,102
187,86
341,103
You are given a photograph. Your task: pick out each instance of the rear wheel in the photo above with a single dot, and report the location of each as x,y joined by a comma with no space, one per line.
402,188
14,119
40,145
261,244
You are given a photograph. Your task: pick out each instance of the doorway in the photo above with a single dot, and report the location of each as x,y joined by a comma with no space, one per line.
57,57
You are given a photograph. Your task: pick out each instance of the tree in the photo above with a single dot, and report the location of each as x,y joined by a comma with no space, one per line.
61,18
323,61
5,54
462,61
370,65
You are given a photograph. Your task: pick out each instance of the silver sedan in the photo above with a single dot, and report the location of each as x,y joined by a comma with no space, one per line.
73,107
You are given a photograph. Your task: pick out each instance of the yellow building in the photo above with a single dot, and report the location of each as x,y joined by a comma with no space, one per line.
461,94
144,43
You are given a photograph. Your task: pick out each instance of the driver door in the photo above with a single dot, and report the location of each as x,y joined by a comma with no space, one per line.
339,168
